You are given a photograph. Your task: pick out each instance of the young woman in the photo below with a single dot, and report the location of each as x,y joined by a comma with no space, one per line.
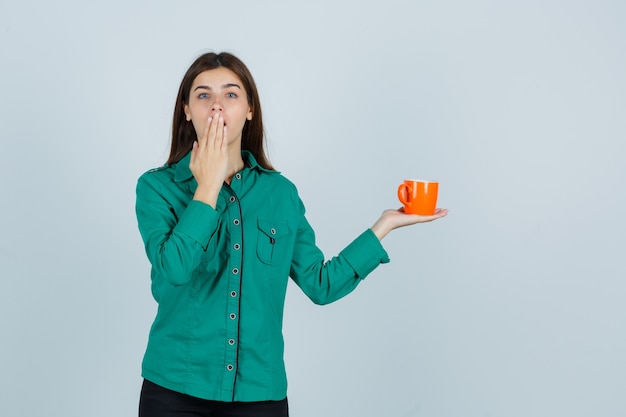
224,231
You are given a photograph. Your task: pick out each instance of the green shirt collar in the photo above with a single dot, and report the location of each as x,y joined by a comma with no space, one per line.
183,173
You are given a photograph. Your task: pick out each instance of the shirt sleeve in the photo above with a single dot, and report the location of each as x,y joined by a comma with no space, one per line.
327,281
174,243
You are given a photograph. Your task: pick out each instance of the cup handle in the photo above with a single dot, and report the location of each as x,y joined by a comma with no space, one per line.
402,194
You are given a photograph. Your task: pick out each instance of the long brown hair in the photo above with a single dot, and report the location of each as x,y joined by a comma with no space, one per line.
183,133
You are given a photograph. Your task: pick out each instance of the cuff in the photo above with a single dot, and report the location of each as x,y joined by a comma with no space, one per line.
365,253
199,221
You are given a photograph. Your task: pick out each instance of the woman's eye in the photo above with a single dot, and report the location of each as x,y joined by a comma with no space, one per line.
231,95
203,95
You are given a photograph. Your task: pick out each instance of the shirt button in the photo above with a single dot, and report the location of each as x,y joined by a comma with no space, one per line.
232,199
238,176
233,316
273,231
233,294
230,367
231,342
236,246
235,271
236,222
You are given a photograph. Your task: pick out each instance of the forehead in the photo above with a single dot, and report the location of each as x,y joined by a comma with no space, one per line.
216,78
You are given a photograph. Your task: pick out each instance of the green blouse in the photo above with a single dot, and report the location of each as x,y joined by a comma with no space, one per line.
220,275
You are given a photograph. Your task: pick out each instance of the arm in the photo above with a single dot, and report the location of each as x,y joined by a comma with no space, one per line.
174,245
175,242
325,282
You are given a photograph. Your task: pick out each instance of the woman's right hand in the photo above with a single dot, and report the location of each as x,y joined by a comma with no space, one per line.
209,160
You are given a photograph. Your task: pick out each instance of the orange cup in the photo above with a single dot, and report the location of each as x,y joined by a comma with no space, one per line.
418,196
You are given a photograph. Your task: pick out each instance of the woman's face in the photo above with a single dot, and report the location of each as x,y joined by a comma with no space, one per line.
218,92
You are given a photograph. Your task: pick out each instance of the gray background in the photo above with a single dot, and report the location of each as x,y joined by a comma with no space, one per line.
511,306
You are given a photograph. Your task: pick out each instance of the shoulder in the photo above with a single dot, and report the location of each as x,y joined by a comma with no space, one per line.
164,171
277,181
156,177
282,191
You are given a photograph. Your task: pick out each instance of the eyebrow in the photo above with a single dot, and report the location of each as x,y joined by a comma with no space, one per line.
225,86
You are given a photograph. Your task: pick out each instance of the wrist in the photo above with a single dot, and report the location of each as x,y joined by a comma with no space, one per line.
207,194
381,228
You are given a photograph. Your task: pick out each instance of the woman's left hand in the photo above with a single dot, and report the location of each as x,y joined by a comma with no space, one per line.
392,219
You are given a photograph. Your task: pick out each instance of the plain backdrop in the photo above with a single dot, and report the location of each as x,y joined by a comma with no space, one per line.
511,306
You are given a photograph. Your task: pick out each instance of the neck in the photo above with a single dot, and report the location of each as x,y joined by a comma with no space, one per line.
235,162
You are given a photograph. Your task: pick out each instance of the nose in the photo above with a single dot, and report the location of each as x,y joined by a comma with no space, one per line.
217,106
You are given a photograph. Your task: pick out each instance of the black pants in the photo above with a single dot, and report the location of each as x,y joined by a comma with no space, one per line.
156,401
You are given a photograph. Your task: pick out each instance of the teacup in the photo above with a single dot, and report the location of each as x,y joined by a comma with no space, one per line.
418,196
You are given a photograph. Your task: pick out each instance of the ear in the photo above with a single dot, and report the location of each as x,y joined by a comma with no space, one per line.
187,112
249,115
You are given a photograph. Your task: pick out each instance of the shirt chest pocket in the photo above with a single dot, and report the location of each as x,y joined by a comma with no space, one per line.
274,241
